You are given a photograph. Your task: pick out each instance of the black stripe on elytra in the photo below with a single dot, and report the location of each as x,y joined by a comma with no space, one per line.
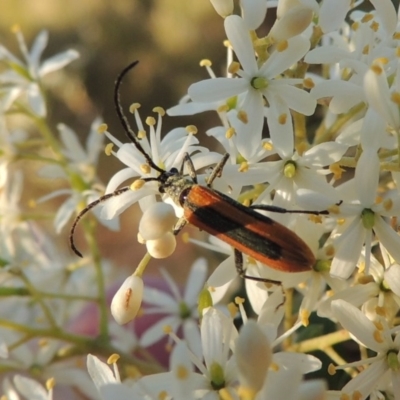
234,229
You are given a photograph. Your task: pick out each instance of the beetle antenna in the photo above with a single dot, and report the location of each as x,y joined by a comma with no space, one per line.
89,207
124,121
93,204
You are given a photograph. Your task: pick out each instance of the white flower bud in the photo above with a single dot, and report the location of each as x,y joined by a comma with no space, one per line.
253,357
223,7
156,221
294,22
126,302
162,247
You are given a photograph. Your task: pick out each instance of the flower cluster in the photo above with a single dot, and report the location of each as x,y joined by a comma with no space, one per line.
309,124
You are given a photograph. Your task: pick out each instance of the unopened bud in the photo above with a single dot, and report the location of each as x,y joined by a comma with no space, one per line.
156,221
162,247
126,302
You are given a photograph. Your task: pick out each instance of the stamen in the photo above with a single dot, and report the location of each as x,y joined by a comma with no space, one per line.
134,107
102,128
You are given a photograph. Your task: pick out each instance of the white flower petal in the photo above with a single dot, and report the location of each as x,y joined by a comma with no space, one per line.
254,12
211,90
358,325
389,238
58,61
332,14
195,281
99,371
156,332
387,15
392,278
348,250
366,177
239,37
30,388
280,61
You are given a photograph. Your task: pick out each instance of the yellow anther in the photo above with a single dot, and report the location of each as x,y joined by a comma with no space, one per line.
305,317
380,311
395,97
329,251
167,329
378,336
108,149
396,35
226,43
239,300
365,50
191,129
331,369
378,325
145,168
185,237
274,367
282,119
356,395
141,135
355,26
282,46
267,146
133,107
367,18
233,309
151,121
181,372
397,52
223,108
113,358
50,383
374,26
337,170
230,132
102,128
159,110
205,63
243,167
364,279
242,116
234,67
137,184
388,204
308,83
377,69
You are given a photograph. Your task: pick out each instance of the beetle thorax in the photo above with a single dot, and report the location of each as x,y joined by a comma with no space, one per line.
176,187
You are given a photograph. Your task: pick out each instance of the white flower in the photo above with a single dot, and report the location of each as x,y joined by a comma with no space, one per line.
81,164
167,153
25,77
255,83
384,367
368,218
179,310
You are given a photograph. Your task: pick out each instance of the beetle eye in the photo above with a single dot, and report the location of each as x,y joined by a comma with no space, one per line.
173,171
161,189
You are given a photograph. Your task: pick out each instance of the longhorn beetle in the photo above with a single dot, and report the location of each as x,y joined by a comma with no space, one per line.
246,230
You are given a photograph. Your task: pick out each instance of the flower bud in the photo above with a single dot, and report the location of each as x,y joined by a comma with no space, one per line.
223,7
156,221
294,22
126,302
162,247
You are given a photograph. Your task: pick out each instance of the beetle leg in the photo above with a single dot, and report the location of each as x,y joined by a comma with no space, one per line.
180,224
188,161
242,274
217,171
266,207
